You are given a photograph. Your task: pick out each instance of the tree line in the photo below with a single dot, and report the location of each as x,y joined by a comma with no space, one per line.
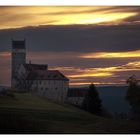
93,104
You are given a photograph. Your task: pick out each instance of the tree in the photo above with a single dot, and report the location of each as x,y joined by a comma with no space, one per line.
132,81
92,102
133,96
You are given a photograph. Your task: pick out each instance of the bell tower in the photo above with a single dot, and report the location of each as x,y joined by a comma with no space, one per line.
18,57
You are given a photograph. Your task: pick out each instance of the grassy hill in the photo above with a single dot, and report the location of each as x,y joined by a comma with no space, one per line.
28,113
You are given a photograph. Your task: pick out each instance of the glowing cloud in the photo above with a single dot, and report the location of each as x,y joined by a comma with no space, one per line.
99,74
130,54
93,19
5,54
88,75
15,17
97,83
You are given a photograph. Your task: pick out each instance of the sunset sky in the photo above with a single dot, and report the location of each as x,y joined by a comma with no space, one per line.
88,44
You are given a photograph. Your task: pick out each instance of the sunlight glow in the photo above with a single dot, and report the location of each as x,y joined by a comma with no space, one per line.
92,19
5,54
92,75
12,17
130,54
96,83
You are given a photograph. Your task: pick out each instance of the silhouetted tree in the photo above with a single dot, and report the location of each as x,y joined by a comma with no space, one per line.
92,102
133,96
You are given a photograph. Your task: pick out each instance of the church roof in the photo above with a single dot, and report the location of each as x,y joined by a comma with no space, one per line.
46,75
33,67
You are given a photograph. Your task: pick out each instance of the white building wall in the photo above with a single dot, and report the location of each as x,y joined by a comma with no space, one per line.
20,75
52,89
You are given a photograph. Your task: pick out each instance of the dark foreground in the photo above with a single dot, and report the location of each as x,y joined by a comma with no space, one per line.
30,114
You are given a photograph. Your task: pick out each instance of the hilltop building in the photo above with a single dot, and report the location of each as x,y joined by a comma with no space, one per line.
18,58
36,78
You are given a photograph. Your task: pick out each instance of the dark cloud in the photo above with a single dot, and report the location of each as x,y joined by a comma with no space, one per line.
74,38
72,59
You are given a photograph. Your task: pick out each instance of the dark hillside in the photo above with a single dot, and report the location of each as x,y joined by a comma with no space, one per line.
32,114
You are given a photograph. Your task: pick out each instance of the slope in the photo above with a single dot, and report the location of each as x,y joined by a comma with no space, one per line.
32,114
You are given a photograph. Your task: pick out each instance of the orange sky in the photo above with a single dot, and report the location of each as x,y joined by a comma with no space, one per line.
77,75
14,17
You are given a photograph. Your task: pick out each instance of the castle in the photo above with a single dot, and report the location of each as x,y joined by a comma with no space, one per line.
36,78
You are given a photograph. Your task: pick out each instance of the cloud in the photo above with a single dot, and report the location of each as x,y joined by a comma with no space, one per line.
5,54
99,75
75,38
129,54
21,16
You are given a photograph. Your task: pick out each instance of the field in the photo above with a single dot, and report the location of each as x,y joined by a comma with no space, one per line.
32,114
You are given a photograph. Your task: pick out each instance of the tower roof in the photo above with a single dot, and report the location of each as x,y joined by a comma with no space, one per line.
18,44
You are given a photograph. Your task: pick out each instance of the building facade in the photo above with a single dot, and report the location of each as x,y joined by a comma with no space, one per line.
36,78
51,83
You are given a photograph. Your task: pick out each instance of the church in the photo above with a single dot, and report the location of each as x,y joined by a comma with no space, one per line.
36,78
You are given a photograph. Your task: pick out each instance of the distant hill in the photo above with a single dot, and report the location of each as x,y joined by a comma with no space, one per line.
113,98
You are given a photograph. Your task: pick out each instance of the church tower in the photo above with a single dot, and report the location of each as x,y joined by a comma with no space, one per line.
18,58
